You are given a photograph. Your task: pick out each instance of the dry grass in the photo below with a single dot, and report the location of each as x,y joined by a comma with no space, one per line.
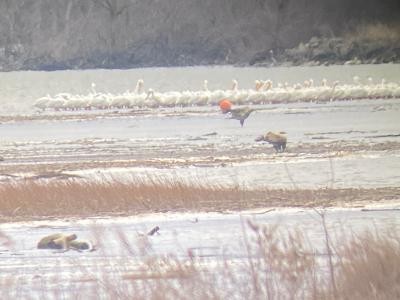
281,264
35,199
370,266
77,197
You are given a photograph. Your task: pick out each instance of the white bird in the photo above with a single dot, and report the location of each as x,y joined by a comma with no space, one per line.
267,85
93,88
205,85
139,89
43,102
258,85
99,101
235,85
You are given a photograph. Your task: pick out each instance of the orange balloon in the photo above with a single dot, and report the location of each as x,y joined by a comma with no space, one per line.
225,105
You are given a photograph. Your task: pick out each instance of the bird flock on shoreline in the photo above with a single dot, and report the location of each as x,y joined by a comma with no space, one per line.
264,92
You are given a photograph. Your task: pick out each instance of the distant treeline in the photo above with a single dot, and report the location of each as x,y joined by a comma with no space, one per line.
76,34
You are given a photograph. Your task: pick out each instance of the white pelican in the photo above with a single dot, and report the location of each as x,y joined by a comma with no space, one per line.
205,85
139,89
235,85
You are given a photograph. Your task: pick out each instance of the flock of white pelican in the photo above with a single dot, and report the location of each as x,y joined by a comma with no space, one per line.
264,92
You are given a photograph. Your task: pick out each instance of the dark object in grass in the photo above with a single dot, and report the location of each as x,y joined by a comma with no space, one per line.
154,231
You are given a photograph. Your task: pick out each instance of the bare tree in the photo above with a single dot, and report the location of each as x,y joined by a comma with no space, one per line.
277,12
114,9
281,7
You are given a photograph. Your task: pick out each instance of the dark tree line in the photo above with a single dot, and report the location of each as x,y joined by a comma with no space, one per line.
125,33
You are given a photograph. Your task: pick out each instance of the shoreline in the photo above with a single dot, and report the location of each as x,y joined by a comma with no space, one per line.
193,216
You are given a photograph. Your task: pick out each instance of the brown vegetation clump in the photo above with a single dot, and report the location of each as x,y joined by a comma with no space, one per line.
79,197
370,267
76,197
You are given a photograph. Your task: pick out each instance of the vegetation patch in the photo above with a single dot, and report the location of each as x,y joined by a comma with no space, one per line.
281,264
76,197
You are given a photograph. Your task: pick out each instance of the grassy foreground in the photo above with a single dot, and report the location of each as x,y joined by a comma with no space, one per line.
281,264
36,199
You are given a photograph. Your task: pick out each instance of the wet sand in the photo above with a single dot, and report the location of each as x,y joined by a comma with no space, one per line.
27,160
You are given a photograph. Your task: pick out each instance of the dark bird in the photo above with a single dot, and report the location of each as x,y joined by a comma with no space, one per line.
240,114
153,231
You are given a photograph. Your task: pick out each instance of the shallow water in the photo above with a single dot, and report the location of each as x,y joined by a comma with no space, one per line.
331,144
207,146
